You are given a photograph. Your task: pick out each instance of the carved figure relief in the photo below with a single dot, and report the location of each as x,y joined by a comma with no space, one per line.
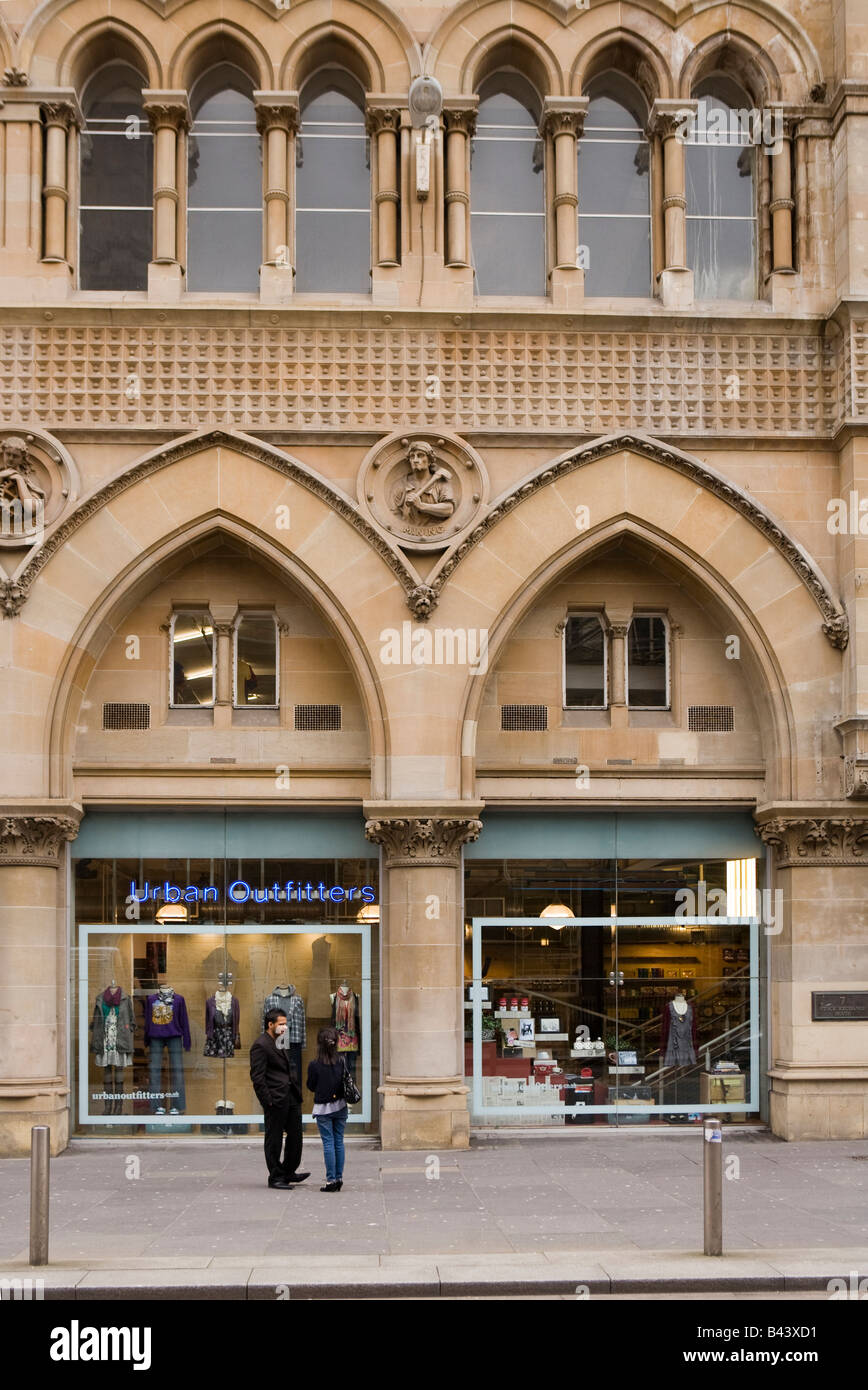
35,483
424,489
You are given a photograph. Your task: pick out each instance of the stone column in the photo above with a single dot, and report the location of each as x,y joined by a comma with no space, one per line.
460,122
816,917
60,118
277,120
669,120
222,620
617,634
25,274
781,210
563,121
34,1076
168,114
424,1098
382,124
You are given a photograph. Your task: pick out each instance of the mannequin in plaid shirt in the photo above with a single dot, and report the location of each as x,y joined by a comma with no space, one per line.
285,998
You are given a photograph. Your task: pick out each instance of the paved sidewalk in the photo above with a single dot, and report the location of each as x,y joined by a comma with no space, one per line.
518,1214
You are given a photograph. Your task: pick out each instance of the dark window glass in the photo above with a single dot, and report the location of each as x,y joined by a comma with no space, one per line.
224,186
256,660
720,164
614,192
117,182
192,658
647,665
585,662
507,196
333,196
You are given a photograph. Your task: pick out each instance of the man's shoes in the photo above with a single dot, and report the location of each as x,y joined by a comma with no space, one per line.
297,1177
278,1182
331,1187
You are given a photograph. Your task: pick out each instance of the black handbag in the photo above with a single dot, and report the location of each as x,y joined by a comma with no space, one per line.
352,1094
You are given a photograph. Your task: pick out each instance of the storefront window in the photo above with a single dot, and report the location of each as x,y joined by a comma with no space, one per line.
176,963
610,992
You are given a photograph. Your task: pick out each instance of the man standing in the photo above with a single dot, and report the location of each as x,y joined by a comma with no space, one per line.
279,1094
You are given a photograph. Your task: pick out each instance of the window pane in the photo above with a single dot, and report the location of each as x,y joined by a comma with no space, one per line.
223,250
506,163
613,175
255,662
193,659
116,171
333,251
722,255
618,255
506,174
115,249
719,180
585,680
646,662
509,254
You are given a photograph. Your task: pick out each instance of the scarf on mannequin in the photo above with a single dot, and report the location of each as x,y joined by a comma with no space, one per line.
345,1011
112,997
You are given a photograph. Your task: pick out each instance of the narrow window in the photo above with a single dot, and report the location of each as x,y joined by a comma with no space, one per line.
224,184
507,192
333,189
192,658
720,169
614,191
256,661
117,183
648,664
584,663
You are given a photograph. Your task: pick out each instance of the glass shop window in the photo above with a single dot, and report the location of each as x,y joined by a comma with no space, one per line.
224,184
117,183
256,649
333,189
507,196
614,190
192,658
648,664
720,170
584,662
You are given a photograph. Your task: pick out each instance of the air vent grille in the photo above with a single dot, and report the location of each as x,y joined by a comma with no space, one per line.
524,718
710,719
317,717
126,716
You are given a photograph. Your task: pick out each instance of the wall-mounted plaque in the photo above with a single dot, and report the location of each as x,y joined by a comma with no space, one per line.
850,1006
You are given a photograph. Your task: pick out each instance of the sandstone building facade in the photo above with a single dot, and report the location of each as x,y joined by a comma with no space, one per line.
435,560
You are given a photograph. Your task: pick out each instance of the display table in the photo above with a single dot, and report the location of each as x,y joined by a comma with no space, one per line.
722,1088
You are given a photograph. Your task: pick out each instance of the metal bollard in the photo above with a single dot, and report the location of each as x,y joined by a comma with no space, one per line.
40,1154
712,1186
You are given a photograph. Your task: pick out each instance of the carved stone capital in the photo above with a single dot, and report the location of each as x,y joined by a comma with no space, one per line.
61,113
855,777
15,77
564,116
35,840
382,118
172,114
668,117
277,117
415,840
822,842
460,119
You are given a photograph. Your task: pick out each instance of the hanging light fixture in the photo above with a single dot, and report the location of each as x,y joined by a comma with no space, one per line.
369,913
556,910
172,912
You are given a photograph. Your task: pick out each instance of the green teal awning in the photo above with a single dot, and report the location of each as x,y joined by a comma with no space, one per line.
222,834
616,835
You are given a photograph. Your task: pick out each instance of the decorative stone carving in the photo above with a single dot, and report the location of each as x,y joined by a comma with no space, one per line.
414,840
855,777
831,842
422,600
35,483
423,492
15,77
34,840
379,118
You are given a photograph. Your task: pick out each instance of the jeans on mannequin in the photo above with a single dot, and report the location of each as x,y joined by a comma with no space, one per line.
176,1071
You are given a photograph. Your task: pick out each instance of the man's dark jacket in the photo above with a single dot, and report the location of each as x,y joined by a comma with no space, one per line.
270,1073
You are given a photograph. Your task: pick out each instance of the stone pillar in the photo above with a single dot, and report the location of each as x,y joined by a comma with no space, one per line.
818,943
60,118
382,123
169,117
459,122
34,1069
618,630
781,209
668,121
563,120
424,1098
222,620
277,120
25,274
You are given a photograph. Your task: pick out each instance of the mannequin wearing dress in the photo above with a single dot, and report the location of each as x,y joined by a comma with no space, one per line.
678,1035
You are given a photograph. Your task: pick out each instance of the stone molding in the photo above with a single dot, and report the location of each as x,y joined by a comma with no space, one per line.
835,622
35,840
415,841
816,842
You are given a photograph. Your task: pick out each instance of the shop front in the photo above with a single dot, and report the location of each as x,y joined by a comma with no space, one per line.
615,970
186,928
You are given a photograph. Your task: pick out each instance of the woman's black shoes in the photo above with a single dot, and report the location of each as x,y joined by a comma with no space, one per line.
332,1187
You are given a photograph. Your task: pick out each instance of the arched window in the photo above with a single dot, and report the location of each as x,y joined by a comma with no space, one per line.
332,188
720,167
224,184
507,190
117,182
614,191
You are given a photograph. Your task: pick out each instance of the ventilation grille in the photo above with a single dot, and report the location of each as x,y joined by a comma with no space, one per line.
524,717
123,716
313,717
710,719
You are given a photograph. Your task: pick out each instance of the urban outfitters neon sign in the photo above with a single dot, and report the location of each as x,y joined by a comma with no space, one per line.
241,892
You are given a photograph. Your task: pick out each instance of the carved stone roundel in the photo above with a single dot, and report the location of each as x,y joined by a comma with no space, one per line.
424,487
35,486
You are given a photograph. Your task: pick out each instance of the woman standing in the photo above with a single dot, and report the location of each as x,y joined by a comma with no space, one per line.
325,1077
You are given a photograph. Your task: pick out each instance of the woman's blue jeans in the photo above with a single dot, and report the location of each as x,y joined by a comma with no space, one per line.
331,1132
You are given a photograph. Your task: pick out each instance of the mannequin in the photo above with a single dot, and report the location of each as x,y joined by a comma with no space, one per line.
678,1033
347,1019
112,1029
167,1027
294,1039
318,996
222,1021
